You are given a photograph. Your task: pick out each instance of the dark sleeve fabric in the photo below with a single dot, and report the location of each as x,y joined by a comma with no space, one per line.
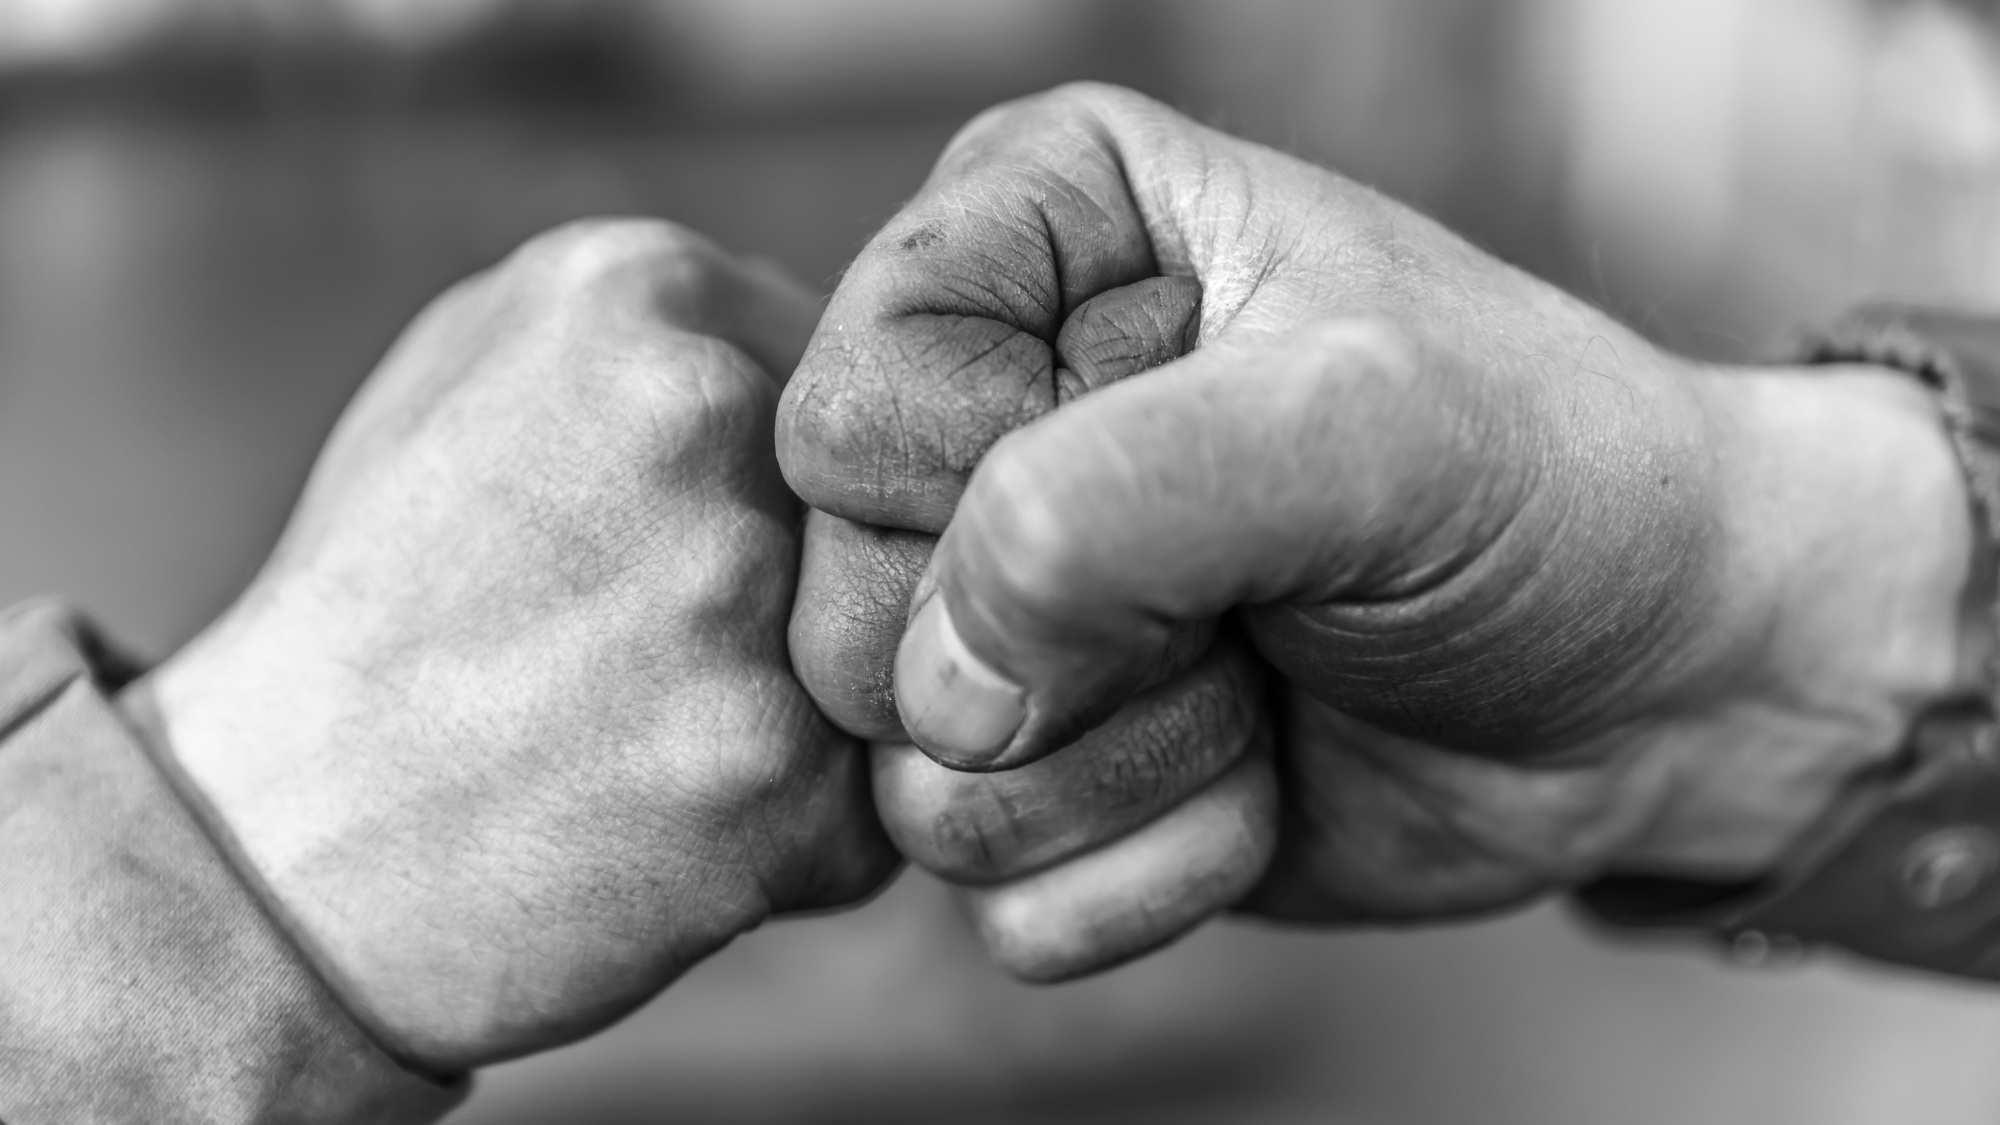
1907,868
139,980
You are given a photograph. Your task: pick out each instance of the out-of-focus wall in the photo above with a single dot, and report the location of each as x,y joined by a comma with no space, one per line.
214,214
1744,165
1717,171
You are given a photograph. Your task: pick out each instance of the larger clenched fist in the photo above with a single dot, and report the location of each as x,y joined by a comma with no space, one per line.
1530,600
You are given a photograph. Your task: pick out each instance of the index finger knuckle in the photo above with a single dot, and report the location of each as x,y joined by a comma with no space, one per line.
629,262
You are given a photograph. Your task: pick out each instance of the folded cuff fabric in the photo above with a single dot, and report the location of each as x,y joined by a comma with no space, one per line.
139,980
1906,870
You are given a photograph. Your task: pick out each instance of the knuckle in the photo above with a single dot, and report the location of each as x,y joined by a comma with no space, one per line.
1033,939
636,258
700,387
1019,936
842,661
961,827
975,838
822,421
838,404
1379,342
1174,740
887,432
856,696
1092,98
1154,751
1068,109
1374,352
1167,744
694,411
855,585
1060,105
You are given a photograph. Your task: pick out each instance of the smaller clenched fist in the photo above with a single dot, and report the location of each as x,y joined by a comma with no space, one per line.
506,732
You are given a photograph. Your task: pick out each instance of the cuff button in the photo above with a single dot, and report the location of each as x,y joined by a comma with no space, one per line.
1946,867
1984,745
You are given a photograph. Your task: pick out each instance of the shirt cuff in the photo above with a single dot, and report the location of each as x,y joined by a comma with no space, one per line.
143,982
1906,868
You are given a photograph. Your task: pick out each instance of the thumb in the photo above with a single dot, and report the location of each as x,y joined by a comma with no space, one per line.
1087,541
1423,541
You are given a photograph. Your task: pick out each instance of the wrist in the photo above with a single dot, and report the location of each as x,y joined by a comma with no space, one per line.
1850,547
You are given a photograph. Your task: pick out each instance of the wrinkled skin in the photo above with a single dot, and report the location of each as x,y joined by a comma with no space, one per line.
1530,600
505,731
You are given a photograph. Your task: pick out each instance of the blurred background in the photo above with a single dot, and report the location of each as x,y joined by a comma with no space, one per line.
215,214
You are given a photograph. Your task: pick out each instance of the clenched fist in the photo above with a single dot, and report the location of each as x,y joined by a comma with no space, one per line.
505,732
1226,451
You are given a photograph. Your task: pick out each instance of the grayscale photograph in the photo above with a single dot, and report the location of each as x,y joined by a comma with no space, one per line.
1000,562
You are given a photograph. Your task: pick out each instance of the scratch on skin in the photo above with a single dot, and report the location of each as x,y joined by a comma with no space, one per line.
924,237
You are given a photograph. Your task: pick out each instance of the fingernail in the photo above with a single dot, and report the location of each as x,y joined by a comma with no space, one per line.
953,704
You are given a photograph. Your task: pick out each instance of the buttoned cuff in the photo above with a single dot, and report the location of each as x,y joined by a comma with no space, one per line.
142,982
1906,868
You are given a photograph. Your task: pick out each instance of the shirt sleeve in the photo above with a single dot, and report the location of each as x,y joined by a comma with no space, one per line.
139,980
1906,868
